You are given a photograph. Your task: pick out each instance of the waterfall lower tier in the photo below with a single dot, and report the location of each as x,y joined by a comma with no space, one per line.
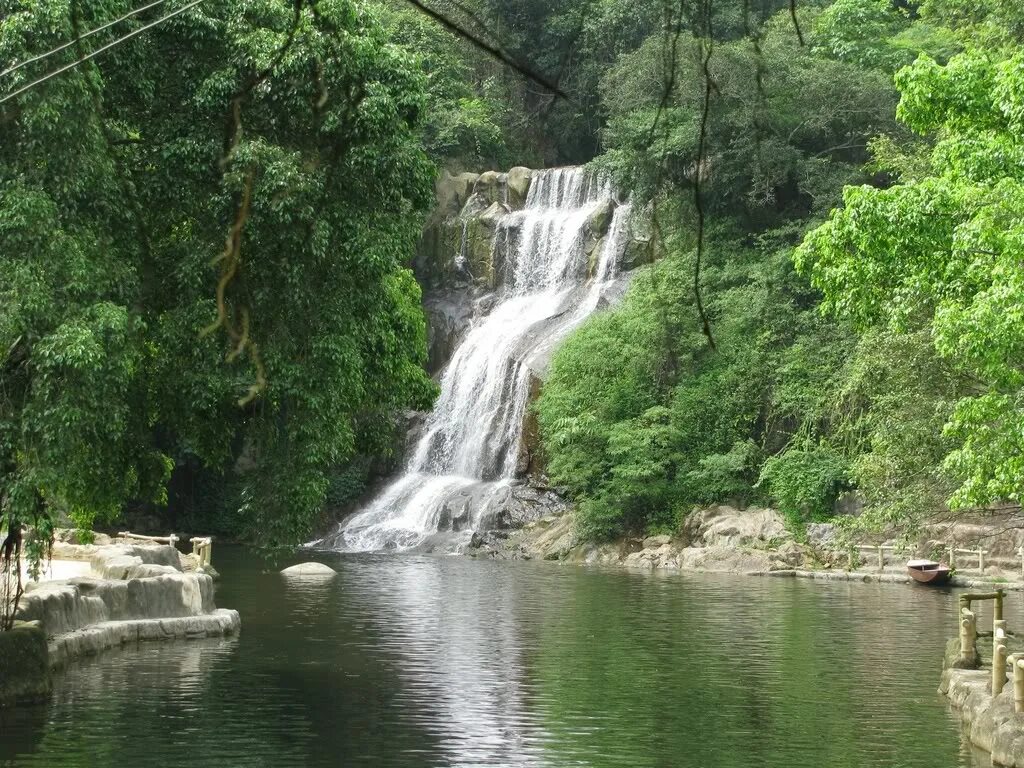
556,257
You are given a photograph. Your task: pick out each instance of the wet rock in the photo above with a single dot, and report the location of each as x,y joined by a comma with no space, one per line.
309,570
521,506
448,318
462,516
482,262
593,250
530,455
599,220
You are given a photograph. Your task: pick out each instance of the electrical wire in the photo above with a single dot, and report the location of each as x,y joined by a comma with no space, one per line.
98,51
70,43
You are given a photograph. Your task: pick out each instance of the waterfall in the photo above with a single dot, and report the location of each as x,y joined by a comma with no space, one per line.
468,449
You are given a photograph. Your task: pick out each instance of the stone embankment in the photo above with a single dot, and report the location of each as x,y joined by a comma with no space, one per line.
131,593
757,541
991,722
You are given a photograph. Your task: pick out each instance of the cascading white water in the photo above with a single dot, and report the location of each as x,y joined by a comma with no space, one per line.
468,448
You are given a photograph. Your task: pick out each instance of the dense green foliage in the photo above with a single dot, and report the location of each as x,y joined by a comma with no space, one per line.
643,420
118,185
204,233
942,252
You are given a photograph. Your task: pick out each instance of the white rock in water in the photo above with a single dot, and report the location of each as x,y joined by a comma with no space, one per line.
309,569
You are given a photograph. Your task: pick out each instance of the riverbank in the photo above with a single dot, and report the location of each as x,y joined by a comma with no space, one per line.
756,541
990,722
123,593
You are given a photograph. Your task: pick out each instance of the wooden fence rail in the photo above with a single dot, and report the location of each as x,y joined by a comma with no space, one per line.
171,539
979,556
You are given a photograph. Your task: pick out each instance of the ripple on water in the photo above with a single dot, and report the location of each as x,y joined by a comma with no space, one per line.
421,661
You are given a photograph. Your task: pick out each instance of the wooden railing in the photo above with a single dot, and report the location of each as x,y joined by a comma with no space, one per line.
954,554
878,549
1000,634
202,548
172,540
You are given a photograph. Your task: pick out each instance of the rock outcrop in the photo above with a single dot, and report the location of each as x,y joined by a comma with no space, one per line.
459,264
134,592
720,538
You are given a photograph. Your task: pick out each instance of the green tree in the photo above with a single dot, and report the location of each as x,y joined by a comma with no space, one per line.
296,128
941,253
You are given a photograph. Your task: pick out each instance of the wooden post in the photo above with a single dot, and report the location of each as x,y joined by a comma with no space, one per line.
952,559
997,609
998,657
981,561
853,558
968,637
1018,684
1021,553
881,559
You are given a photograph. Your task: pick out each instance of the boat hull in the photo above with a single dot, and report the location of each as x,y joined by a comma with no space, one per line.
933,576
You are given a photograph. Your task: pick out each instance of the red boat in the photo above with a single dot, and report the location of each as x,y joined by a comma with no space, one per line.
929,572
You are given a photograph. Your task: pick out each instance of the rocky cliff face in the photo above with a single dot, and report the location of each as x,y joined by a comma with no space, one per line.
460,265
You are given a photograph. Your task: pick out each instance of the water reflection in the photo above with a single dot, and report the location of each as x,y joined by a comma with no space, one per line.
458,648
406,662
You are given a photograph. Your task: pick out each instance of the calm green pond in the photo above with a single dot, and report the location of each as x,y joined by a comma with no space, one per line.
431,661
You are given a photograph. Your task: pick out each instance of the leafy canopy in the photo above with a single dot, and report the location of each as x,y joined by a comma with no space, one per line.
942,253
119,182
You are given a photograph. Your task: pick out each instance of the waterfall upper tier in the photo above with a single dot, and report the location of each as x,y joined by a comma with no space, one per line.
536,253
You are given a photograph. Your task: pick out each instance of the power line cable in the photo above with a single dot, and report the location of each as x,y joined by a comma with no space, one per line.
70,43
98,51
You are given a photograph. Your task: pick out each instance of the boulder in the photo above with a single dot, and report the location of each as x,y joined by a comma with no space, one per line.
116,567
518,181
309,570
637,253
453,191
822,535
600,219
491,186
850,504
145,571
724,526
